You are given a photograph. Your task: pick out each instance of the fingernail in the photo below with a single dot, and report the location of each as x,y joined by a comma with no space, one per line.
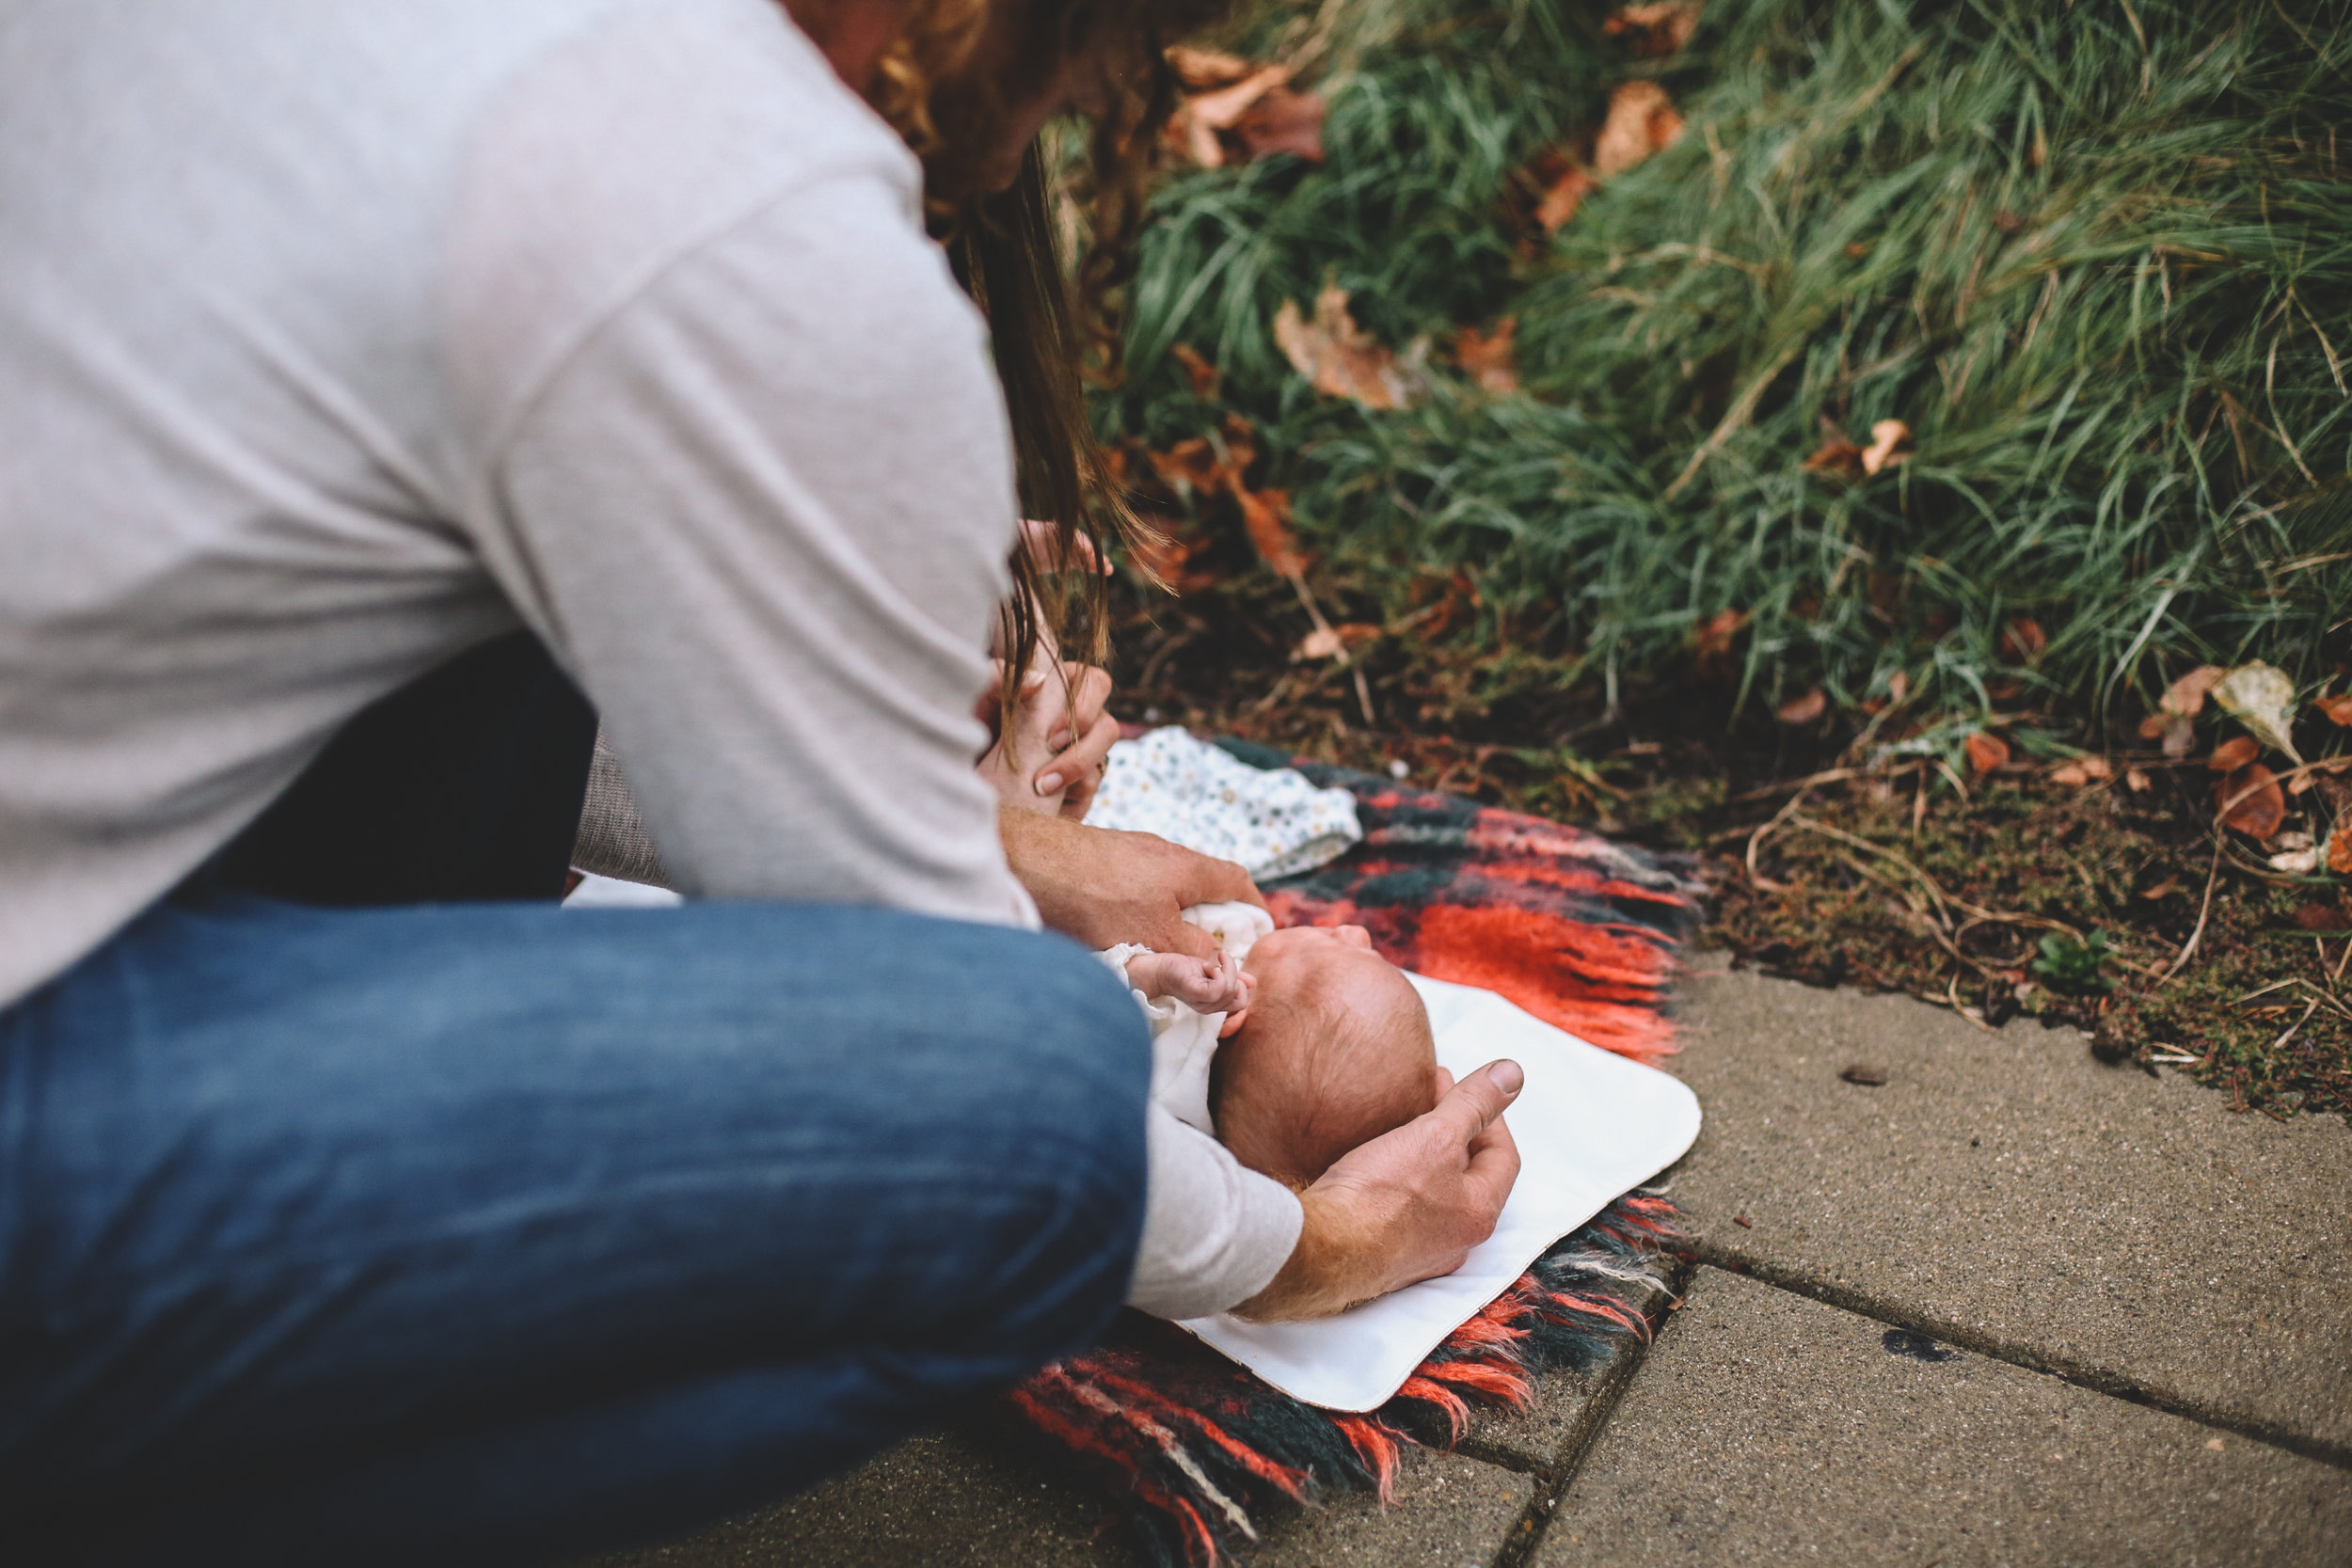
1508,1077
1048,784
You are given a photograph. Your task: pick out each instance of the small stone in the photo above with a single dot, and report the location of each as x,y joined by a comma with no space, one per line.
2214,1444
1870,1077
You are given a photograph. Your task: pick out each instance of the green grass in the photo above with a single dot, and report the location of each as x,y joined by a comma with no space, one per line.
2098,258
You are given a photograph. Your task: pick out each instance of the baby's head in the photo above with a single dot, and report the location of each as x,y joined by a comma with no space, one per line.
1336,1052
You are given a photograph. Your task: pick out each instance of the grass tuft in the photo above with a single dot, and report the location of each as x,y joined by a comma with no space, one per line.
2097,257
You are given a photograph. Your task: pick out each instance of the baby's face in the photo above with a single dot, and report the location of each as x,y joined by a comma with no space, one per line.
1335,1052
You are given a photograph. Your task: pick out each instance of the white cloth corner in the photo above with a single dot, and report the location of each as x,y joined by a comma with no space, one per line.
1271,820
1589,1125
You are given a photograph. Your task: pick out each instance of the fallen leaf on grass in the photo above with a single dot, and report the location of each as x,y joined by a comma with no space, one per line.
2164,889
1885,436
2295,863
1334,641
2187,696
1713,637
1641,122
1340,357
2337,710
1194,464
2023,640
1804,709
1282,121
1197,370
2232,754
2340,846
2261,698
2250,801
1562,185
1485,357
1986,751
2174,730
1659,28
1835,456
2081,771
1235,110
1267,515
2138,782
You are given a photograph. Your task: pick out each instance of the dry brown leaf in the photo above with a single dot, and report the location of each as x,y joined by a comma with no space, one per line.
2138,782
1485,357
1197,370
1563,185
1986,751
2072,774
2336,710
1192,464
1712,638
2178,735
1657,27
1641,122
1804,709
1234,110
2023,640
2340,846
1341,358
2164,889
1282,121
2187,696
1898,686
1835,456
2232,754
2251,802
1885,436
1192,130
1322,642
1205,69
1267,515
2098,768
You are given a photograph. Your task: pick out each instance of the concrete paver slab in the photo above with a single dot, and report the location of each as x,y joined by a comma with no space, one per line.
958,1500
1769,1428
1557,1422
2005,1189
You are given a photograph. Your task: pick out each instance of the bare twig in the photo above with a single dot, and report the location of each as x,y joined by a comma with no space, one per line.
2297,1024
1314,613
2172,971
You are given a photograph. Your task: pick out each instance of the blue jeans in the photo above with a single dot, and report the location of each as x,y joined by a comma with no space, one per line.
471,1232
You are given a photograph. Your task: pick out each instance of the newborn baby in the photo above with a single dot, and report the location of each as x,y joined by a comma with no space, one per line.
1327,1043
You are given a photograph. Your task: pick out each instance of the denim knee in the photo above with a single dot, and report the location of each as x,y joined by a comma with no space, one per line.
1085,1044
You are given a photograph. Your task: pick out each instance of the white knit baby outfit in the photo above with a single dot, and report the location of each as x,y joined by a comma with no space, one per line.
1184,1042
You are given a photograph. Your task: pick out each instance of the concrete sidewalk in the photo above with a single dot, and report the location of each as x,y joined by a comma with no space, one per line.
2009,1306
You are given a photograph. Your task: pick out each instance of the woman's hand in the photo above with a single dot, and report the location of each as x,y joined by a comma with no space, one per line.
1061,739
1104,888
1406,1207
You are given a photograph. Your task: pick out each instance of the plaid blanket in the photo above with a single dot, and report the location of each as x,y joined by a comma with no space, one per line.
1578,930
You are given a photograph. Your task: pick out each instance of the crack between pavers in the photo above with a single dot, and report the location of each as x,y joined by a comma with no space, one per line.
1553,1479
2099,1380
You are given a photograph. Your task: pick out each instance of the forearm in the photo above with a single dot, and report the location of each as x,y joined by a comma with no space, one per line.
1329,1270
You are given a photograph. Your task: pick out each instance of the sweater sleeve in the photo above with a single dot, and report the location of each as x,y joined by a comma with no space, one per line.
1214,1233
761,513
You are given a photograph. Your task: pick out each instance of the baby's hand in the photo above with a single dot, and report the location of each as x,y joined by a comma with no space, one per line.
1214,985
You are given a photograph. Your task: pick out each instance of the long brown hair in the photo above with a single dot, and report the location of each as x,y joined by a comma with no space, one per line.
1050,324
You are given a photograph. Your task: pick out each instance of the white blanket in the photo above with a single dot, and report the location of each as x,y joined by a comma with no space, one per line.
1590,1126
1270,820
